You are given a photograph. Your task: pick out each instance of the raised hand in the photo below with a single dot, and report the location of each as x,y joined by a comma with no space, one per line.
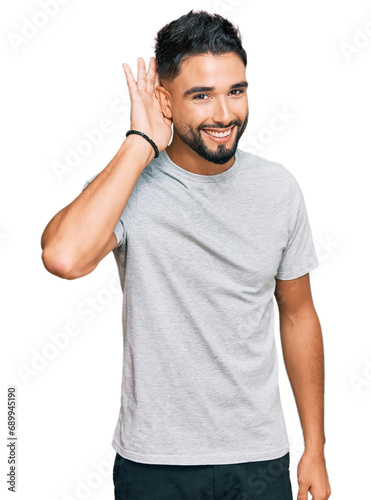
146,114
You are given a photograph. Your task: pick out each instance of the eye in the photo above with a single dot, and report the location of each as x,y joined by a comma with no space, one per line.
238,90
199,96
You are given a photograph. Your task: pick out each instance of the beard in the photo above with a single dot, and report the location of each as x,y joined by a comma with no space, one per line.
193,139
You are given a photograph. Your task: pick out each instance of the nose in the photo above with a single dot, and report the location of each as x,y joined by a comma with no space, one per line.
222,114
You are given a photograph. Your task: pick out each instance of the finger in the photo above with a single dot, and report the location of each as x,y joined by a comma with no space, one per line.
142,77
302,493
151,75
130,79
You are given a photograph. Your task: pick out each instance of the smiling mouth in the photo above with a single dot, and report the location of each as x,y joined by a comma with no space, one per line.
219,135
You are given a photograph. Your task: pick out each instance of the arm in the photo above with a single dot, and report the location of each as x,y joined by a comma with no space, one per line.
302,348
81,234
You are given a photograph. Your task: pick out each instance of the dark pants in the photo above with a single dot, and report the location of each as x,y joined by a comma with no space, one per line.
263,480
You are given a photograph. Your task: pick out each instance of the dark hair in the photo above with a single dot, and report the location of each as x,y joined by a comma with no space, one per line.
193,34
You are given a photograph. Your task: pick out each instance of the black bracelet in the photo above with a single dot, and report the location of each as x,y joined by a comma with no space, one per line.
146,137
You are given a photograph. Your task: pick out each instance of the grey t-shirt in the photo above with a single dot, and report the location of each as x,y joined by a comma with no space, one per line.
197,257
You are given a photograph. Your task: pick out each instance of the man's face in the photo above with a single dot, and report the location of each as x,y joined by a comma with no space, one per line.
195,112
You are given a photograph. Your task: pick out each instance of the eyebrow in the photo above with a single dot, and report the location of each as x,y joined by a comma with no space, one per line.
194,90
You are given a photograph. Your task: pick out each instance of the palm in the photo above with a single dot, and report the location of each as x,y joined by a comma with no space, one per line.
146,112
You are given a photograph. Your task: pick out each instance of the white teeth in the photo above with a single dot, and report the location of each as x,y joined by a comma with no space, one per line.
219,134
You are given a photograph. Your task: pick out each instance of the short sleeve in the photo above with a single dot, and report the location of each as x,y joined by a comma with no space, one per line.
299,255
119,229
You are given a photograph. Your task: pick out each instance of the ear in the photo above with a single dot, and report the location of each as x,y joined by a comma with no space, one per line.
164,98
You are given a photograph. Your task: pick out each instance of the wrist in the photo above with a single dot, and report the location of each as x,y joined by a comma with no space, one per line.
315,446
314,453
147,138
140,145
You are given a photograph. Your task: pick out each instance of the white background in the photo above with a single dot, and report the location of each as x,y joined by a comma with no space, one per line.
309,61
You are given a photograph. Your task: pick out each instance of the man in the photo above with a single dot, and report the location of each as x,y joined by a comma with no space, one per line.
203,235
